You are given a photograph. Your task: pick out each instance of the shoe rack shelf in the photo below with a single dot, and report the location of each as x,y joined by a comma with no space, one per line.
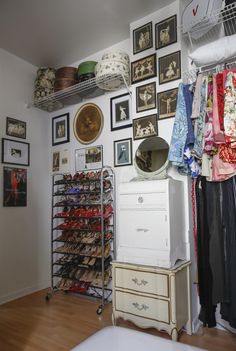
85,90
83,233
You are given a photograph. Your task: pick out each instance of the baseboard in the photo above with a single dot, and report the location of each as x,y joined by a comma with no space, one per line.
23,292
196,325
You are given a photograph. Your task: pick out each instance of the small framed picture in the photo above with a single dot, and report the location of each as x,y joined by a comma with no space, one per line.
170,67
144,68
89,158
15,128
123,152
167,103
145,127
60,129
56,161
142,38
120,112
146,97
14,187
15,152
166,32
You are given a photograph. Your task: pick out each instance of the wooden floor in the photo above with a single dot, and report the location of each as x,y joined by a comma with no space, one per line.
32,324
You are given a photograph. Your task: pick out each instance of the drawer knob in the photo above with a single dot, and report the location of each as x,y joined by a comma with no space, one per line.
140,307
140,199
142,282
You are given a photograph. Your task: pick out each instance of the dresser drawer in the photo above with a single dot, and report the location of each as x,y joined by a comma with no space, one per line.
142,306
144,200
144,282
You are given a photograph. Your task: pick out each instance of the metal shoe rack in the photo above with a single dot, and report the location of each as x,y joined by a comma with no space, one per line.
83,234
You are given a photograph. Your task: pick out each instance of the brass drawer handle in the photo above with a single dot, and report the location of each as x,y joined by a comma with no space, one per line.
140,308
142,282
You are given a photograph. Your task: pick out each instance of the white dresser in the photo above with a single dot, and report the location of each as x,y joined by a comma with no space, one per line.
152,296
150,226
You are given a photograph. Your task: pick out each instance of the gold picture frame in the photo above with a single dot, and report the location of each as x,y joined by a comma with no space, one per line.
88,123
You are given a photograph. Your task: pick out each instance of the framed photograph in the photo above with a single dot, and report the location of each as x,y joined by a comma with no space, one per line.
120,112
145,127
170,67
166,32
123,152
60,129
15,128
144,68
167,103
146,97
89,158
88,123
142,38
56,161
15,152
14,187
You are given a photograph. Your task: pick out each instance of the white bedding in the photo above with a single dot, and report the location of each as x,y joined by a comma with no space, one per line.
124,339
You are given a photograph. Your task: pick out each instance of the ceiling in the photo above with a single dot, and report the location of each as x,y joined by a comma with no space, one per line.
58,32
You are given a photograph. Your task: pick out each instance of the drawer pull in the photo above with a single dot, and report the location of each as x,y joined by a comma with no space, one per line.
140,199
142,230
140,308
142,282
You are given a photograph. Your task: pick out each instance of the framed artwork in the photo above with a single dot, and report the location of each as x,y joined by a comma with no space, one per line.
142,38
146,97
88,123
123,152
120,112
14,187
170,67
15,128
15,152
167,103
89,158
144,68
56,161
60,129
166,32
145,127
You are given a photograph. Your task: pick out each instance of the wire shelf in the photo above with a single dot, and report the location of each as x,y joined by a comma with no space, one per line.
88,89
218,24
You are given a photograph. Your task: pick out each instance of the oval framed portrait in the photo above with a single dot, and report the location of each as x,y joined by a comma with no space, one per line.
88,123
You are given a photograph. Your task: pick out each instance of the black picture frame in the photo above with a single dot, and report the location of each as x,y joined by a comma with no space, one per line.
15,128
123,152
145,127
120,111
143,68
14,187
15,152
170,67
166,32
61,129
167,101
146,97
142,38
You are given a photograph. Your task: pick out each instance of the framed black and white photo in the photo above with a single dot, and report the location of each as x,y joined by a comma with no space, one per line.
144,68
142,38
89,158
167,103
15,152
15,128
145,127
14,187
123,152
166,32
56,161
170,67
121,112
60,129
146,97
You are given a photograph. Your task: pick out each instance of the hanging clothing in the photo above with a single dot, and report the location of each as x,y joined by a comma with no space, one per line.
218,135
230,108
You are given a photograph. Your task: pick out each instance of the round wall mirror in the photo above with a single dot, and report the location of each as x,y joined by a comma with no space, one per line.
151,158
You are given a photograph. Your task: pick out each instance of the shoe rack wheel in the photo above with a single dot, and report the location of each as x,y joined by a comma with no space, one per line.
100,309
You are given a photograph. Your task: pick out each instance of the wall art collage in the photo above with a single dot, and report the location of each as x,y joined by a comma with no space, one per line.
15,153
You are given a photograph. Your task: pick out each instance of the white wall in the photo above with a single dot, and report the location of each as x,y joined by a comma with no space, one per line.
24,231
165,126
